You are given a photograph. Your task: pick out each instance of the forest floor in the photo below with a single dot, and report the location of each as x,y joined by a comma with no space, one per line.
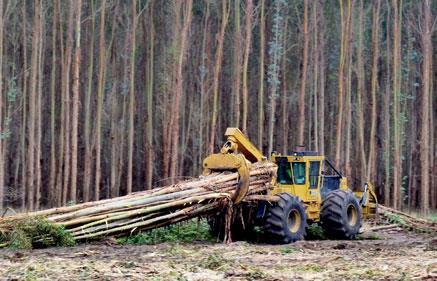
391,254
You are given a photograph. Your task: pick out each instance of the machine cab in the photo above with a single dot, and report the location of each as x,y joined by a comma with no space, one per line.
307,175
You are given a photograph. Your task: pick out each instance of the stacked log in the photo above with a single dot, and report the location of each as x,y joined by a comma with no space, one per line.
407,221
151,209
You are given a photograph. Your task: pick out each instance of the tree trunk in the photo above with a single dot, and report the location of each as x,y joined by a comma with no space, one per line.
341,83
32,107
87,122
322,105
217,68
261,76
75,105
301,120
100,90
426,35
187,6
149,121
237,63
275,51
387,147
24,186
371,166
247,43
38,145
315,77
360,94
397,164
67,79
130,148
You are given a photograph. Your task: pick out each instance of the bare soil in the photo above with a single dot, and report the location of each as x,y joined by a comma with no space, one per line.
392,254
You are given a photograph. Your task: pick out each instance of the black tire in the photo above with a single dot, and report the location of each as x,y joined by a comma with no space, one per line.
341,215
286,221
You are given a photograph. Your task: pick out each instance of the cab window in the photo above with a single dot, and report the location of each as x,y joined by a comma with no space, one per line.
314,173
284,173
299,172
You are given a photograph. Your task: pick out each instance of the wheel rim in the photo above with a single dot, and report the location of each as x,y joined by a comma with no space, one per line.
352,215
294,221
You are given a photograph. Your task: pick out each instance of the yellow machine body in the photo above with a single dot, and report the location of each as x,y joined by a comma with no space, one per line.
302,174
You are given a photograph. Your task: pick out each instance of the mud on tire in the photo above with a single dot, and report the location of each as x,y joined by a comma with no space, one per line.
285,221
341,215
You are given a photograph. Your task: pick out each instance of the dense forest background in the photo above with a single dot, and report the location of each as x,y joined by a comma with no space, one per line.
104,97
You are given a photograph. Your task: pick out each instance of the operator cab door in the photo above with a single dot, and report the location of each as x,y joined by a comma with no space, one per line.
314,172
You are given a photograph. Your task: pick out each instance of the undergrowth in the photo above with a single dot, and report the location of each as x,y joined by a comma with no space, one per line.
395,219
315,232
184,232
35,232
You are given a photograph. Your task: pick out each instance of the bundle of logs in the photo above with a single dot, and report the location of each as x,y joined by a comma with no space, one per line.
154,208
398,218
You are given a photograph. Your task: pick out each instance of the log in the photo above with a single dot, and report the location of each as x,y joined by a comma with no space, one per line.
407,221
150,209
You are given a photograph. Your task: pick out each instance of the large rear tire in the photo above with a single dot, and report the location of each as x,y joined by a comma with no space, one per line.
286,221
341,215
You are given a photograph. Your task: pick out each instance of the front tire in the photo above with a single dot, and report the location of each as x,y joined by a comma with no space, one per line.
286,221
341,215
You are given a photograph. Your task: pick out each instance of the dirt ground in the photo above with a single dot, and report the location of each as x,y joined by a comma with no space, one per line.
385,255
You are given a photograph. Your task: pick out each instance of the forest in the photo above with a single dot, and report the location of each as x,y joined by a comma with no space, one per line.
100,98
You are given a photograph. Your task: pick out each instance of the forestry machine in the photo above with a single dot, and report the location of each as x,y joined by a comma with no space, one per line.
307,189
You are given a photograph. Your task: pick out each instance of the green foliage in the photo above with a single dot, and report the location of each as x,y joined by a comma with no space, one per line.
287,250
315,232
395,219
185,232
36,233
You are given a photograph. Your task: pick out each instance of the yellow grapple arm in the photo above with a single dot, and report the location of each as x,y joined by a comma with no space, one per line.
235,155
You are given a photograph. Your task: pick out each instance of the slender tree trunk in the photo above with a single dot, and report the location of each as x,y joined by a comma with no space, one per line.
341,78
59,175
247,43
38,146
100,90
371,166
237,63
203,82
52,182
87,122
348,107
261,76
66,79
131,99
179,87
149,122
316,77
32,107
360,94
387,153
217,68
301,121
75,105
24,186
397,164
322,85
284,97
425,124
275,55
